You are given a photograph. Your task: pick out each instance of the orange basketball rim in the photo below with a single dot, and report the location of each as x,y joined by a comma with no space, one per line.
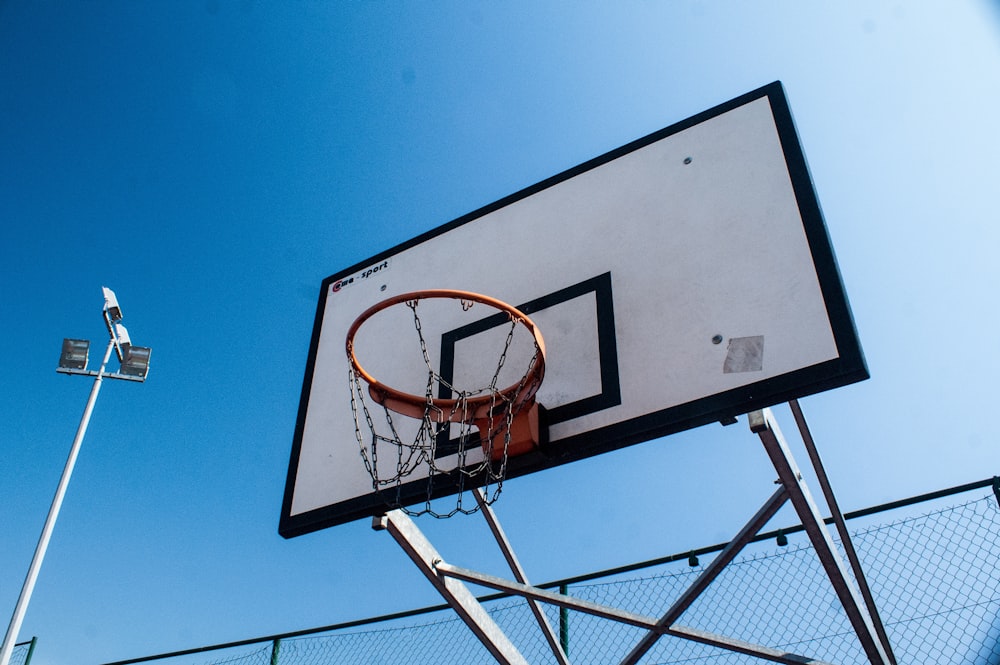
500,436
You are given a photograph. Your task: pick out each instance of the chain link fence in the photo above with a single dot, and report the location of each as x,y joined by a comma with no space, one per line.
21,654
932,570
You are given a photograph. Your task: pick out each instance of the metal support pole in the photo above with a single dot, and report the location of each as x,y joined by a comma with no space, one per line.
841,525
762,423
518,571
405,532
50,521
275,647
448,578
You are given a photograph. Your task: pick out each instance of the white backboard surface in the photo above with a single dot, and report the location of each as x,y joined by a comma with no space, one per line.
680,280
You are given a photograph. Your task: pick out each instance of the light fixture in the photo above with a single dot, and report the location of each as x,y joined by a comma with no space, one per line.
75,353
124,342
111,305
136,362
782,539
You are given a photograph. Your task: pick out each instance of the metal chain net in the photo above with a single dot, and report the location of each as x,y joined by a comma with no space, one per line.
935,578
420,454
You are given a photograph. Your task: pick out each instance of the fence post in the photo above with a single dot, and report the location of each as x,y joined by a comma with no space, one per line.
564,623
31,650
275,646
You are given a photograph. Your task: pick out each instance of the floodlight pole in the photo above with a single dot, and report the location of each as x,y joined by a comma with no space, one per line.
50,521
43,541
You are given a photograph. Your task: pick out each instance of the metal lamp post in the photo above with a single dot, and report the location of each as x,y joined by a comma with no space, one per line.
134,362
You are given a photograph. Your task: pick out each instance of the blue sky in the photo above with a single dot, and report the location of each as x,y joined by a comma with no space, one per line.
213,161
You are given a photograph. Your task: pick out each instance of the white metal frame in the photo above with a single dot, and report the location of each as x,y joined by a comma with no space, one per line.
856,599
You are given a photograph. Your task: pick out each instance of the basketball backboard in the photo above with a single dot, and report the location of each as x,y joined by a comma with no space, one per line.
682,279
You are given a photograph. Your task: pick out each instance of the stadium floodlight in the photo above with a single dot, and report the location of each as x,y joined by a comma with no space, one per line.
136,362
75,352
123,342
111,307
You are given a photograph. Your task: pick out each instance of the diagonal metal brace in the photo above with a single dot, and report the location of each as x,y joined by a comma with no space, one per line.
448,579
841,525
422,553
515,567
762,423
793,488
714,569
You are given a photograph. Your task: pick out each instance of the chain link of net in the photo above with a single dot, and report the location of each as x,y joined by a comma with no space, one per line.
420,453
935,578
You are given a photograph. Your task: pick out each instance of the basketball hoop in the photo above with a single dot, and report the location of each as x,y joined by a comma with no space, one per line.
503,421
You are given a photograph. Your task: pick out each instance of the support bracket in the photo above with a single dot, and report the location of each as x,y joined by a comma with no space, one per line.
857,602
405,532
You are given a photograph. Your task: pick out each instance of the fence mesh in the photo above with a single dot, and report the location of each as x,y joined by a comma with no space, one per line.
21,653
933,574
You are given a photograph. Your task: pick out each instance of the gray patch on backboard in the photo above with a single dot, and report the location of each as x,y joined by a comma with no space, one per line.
745,354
